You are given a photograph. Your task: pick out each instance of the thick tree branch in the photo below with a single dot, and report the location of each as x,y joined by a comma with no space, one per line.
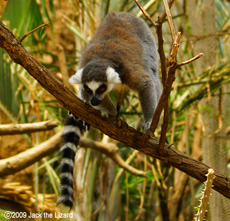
12,129
113,127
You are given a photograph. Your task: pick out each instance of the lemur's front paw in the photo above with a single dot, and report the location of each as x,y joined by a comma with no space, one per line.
105,113
87,126
75,118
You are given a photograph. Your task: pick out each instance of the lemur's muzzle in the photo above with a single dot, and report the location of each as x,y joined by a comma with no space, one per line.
94,101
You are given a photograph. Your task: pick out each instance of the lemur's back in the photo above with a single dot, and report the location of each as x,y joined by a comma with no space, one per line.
125,40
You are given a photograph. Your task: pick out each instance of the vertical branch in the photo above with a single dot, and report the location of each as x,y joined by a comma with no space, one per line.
176,44
164,129
162,18
166,80
63,65
170,80
161,50
170,21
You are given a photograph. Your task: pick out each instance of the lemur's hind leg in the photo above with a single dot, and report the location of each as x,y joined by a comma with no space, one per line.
149,100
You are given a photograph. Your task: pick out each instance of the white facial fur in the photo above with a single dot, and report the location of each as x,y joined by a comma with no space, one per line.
112,76
93,85
76,78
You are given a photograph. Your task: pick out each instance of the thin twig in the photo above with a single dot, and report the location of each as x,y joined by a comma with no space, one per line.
191,60
161,51
217,33
162,18
63,65
176,44
145,13
170,21
29,33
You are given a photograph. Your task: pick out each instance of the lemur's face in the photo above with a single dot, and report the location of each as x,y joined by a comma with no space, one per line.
95,82
97,91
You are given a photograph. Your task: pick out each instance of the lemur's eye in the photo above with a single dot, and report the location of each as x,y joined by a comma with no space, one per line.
102,88
87,89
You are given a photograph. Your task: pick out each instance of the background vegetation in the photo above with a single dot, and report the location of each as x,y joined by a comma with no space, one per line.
199,112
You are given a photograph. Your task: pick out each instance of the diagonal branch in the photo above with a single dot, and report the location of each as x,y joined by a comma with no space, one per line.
145,13
190,60
113,127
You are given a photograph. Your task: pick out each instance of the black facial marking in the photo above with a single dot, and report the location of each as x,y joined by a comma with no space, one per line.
87,89
101,89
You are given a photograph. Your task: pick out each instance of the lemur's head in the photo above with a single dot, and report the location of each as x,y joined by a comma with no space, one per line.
97,79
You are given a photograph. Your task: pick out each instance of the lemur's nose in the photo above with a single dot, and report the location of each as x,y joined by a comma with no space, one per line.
94,101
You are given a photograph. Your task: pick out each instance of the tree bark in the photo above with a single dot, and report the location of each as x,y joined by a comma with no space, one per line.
113,127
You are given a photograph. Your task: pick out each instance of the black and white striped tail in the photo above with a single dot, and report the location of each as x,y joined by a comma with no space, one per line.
73,130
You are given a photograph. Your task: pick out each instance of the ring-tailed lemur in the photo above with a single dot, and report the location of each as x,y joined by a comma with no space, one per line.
122,51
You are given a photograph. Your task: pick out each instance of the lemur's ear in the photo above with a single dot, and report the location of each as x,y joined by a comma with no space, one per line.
112,76
76,78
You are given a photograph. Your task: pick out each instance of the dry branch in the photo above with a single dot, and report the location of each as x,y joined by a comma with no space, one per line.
63,65
113,127
22,160
170,20
162,18
164,97
145,13
191,60
12,129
